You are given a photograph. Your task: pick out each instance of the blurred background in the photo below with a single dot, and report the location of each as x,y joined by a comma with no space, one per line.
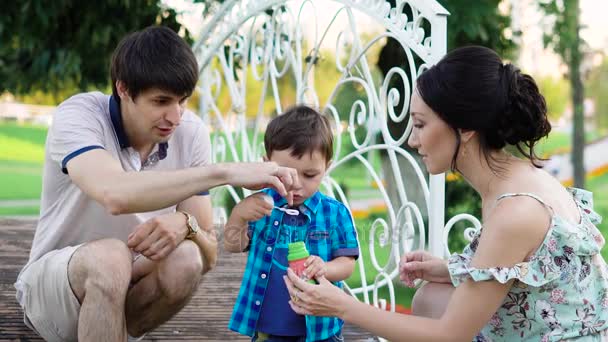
50,50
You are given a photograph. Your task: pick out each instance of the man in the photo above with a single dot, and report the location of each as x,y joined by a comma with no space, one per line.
125,230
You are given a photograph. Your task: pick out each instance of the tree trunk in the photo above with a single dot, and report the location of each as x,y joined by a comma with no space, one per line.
578,119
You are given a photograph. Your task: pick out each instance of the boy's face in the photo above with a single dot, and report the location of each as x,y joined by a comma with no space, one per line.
311,170
152,116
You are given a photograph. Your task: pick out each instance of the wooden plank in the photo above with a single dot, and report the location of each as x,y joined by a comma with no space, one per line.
205,318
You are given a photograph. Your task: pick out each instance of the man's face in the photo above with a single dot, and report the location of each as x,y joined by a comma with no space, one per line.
152,116
311,170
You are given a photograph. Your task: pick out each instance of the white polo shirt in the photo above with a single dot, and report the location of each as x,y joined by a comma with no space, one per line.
89,121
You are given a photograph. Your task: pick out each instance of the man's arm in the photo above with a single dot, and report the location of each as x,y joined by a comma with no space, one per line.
206,239
101,177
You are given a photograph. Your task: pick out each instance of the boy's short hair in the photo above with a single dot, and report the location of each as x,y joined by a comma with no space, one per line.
155,57
302,129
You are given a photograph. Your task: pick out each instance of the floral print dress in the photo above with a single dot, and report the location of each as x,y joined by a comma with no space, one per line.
560,293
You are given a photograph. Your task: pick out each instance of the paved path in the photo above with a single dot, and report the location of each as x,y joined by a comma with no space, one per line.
205,318
596,157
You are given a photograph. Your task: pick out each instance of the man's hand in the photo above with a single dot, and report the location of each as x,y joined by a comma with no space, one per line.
261,175
158,236
252,208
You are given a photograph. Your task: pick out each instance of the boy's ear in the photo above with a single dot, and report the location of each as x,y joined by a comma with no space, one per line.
328,164
265,158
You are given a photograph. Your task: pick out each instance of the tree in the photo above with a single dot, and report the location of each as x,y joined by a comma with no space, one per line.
66,45
597,87
563,36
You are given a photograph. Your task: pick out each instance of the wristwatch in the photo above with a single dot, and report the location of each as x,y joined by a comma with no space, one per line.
191,224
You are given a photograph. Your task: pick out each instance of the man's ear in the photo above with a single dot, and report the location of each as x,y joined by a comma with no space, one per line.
466,135
121,89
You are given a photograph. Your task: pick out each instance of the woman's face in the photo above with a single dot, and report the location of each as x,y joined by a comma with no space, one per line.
434,139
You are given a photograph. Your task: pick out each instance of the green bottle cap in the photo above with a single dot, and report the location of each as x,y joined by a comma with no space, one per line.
297,250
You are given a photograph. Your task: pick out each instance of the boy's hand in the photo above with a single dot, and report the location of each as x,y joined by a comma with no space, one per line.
252,208
315,267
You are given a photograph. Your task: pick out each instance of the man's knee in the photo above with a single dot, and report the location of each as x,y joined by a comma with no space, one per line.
102,265
180,272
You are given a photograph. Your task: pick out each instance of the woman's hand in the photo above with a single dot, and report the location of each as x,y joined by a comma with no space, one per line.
324,299
423,265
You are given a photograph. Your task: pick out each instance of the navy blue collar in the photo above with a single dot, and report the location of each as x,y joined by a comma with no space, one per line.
123,140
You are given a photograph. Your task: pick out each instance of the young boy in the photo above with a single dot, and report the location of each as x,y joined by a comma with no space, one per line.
301,138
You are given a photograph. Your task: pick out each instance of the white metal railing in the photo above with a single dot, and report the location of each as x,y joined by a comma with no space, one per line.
255,45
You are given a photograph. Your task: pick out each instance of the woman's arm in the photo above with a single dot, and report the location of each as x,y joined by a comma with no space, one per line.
510,234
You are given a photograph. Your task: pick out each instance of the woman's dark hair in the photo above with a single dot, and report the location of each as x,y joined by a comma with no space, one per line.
302,129
471,89
154,58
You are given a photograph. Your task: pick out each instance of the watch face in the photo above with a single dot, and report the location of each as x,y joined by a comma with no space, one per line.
193,224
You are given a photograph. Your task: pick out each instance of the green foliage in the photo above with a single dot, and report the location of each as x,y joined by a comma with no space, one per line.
460,198
66,45
556,93
479,24
597,87
563,34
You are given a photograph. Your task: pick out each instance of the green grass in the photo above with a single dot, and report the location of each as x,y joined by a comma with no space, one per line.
33,134
20,211
599,186
21,158
559,142
20,183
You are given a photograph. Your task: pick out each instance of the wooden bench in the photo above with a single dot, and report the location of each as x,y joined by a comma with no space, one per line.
205,318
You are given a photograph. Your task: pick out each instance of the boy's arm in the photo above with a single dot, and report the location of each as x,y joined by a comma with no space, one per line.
236,237
345,247
339,268
252,208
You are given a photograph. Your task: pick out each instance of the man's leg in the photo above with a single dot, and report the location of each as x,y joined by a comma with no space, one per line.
162,288
99,274
431,300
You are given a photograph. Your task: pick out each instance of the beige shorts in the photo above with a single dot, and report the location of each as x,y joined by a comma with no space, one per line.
44,292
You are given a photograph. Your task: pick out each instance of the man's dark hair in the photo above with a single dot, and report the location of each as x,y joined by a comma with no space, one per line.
301,129
154,58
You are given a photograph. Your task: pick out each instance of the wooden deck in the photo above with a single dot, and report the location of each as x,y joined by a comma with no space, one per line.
205,318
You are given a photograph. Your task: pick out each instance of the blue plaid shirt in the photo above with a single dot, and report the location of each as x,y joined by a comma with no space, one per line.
330,234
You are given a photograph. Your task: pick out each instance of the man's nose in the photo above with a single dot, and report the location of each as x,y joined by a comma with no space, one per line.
174,113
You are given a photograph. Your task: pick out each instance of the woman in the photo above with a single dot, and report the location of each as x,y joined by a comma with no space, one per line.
534,271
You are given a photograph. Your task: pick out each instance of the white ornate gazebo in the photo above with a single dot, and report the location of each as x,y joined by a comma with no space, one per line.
254,45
